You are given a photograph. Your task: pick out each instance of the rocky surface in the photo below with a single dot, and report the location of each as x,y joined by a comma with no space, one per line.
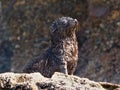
99,55
6,53
28,21
6,49
59,81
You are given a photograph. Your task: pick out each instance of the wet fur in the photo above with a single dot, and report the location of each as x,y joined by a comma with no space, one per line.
62,54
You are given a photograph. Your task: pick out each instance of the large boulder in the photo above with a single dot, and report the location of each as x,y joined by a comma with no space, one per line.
98,37
59,81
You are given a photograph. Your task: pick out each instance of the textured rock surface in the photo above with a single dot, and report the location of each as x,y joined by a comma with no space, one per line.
59,81
99,55
99,37
6,51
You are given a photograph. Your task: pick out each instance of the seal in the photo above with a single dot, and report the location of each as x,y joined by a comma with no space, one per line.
62,53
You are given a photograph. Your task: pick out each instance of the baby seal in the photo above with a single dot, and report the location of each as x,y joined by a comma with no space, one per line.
62,53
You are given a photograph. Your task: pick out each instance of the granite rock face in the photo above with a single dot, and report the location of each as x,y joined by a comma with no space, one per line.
99,54
6,53
6,49
98,37
59,81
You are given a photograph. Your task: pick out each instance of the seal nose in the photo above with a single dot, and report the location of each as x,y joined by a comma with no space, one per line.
75,20
76,24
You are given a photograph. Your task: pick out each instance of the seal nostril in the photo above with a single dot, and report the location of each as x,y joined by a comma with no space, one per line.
75,20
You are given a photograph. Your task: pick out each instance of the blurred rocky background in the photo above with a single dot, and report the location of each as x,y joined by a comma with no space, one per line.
24,33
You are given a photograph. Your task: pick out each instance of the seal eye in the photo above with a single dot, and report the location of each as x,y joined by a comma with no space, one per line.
67,24
64,21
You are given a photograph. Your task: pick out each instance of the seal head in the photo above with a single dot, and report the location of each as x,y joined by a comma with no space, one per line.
64,26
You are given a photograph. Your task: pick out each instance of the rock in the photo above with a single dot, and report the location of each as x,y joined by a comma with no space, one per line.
29,20
99,67
59,81
99,54
6,53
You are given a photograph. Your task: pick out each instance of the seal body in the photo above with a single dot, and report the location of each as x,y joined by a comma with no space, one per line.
62,54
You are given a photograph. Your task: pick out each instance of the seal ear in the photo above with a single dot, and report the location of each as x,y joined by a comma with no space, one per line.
53,27
52,30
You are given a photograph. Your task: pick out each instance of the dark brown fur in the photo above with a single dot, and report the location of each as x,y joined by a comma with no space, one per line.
62,54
